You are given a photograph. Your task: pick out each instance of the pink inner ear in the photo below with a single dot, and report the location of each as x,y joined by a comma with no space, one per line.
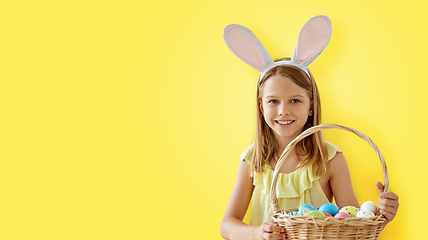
244,45
313,38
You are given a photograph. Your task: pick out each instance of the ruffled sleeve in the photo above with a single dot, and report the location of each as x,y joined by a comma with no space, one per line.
247,154
331,150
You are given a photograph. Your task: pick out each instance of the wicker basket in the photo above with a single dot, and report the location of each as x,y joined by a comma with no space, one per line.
320,227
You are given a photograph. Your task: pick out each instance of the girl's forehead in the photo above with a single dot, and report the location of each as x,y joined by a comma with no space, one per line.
281,86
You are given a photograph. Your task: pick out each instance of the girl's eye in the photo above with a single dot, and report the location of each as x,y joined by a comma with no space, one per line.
295,101
273,101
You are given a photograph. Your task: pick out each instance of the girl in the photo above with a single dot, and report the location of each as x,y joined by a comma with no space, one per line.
288,103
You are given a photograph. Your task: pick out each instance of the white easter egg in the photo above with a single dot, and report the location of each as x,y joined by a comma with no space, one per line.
364,213
369,205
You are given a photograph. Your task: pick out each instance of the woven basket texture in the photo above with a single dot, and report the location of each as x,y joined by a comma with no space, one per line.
319,227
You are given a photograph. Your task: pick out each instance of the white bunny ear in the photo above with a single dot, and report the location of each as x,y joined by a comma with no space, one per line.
313,38
245,45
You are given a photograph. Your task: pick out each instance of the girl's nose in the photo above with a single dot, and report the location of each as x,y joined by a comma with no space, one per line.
283,112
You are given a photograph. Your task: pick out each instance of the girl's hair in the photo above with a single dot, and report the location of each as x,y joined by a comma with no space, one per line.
312,147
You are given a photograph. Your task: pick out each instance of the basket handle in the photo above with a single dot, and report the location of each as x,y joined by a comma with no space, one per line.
308,132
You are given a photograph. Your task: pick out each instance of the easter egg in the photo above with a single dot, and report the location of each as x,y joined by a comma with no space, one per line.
306,207
342,214
327,214
364,213
314,213
369,205
293,213
351,210
329,208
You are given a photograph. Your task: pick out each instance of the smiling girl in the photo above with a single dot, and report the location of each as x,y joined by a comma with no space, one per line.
287,103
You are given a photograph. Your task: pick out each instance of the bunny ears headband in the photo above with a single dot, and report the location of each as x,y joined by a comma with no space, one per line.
313,38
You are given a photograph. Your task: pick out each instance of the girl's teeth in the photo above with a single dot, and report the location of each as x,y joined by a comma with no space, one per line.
284,122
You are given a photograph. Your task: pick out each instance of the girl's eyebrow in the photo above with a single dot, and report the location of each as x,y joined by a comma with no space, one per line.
273,96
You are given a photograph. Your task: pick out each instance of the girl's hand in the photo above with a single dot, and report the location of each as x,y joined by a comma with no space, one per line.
266,231
388,203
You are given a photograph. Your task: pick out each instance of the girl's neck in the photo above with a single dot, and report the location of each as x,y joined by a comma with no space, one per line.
282,144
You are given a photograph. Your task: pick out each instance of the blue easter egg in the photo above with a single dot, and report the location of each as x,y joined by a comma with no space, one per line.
329,208
306,207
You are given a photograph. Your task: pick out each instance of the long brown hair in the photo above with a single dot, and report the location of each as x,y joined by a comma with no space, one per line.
312,147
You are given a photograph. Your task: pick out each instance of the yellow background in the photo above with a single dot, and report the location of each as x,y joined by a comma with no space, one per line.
125,119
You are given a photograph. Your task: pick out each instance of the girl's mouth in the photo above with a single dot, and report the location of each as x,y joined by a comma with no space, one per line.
284,122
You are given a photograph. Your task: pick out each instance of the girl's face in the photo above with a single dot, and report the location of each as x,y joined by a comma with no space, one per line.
285,107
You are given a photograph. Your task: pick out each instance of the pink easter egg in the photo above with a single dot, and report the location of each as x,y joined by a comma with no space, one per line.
343,214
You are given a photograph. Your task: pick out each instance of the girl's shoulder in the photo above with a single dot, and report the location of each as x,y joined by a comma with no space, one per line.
247,154
331,150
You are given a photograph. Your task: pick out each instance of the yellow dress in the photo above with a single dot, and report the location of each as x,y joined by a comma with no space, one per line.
293,189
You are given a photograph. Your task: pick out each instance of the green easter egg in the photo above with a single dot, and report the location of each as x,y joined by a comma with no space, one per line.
314,213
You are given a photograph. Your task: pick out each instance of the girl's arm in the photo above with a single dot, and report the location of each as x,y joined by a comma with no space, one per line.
340,181
232,226
341,186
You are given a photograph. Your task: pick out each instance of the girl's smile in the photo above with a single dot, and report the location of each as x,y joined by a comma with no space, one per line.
284,123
